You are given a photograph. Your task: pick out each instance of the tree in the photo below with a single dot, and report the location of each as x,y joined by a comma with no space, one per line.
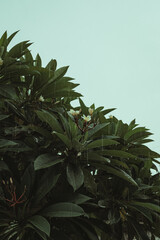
68,173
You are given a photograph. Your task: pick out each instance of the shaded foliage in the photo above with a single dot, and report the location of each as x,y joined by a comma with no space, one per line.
68,173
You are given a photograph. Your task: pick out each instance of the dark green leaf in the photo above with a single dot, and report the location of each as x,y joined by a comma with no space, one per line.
46,184
75,176
96,129
63,209
146,205
118,153
143,211
106,111
93,156
100,143
9,39
49,118
83,107
8,92
52,65
78,198
2,116
6,143
38,62
64,139
46,160
19,50
59,73
41,223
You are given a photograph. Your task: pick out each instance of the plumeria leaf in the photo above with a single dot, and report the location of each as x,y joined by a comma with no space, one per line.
75,176
100,143
49,118
41,223
63,209
46,160
64,139
96,129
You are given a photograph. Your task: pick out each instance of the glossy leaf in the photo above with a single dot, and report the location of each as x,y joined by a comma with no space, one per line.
64,139
75,176
49,118
46,183
63,209
46,160
96,129
100,143
41,223
19,50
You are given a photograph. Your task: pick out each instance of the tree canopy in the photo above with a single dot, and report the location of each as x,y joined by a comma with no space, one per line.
71,173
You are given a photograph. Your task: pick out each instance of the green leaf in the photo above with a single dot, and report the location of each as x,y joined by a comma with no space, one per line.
41,223
83,107
59,73
52,65
146,205
132,132
119,163
19,50
44,132
144,151
139,230
3,39
63,209
100,143
28,179
117,172
79,198
46,160
143,211
46,184
122,174
49,118
89,182
64,139
39,232
38,62
96,129
29,58
106,111
93,156
8,91
90,232
118,153
65,124
9,39
69,93
137,136
7,143
2,117
75,176
2,48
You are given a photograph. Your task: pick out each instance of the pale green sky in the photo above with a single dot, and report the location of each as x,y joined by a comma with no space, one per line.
112,47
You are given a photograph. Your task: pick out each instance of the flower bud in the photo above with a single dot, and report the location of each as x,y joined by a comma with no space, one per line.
74,113
11,180
41,98
90,110
3,182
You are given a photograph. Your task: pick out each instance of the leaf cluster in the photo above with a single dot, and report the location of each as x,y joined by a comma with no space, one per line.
69,173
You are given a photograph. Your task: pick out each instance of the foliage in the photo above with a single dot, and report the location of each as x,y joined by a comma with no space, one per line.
68,173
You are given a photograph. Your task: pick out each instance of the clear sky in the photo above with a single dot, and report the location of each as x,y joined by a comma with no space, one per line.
111,46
